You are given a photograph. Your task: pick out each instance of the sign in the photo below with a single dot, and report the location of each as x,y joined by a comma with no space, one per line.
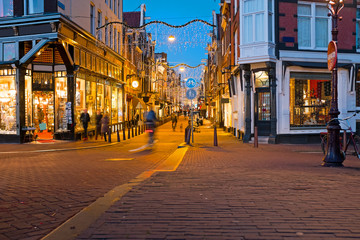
191,83
191,94
332,55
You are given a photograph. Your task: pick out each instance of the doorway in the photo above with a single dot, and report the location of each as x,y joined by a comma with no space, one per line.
262,111
43,102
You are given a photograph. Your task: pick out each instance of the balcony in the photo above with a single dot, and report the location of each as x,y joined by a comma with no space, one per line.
256,52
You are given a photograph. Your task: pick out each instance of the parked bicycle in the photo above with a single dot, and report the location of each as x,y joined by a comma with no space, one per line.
353,139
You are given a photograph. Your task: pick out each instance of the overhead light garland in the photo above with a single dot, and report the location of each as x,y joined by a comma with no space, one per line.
184,64
156,22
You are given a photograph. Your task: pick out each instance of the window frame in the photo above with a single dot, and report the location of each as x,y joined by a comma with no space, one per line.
313,18
12,8
265,24
27,4
92,19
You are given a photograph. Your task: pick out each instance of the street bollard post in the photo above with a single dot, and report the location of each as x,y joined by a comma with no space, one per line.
129,136
132,131
215,136
344,141
109,138
256,143
118,134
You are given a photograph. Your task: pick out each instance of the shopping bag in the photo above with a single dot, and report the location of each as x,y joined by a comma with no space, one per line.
42,126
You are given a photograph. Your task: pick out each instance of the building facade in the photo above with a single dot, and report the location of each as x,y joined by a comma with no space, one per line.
279,79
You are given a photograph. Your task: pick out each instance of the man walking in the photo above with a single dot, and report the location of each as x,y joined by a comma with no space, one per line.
85,119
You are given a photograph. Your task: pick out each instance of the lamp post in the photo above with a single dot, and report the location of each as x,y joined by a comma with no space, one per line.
334,157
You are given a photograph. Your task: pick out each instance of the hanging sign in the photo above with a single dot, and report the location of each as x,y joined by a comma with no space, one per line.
332,55
191,94
191,83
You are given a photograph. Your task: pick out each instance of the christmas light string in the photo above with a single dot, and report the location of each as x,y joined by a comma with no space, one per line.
156,22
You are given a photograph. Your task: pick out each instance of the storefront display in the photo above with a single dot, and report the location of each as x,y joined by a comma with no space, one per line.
79,102
100,97
108,101
44,113
60,103
310,96
7,105
90,101
28,101
114,103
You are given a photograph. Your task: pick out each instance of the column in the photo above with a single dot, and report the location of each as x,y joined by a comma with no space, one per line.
273,119
247,75
71,87
20,111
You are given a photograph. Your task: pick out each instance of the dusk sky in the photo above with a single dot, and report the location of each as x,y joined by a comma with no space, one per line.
190,43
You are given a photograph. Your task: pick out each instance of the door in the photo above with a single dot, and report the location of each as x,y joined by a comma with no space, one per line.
43,102
262,111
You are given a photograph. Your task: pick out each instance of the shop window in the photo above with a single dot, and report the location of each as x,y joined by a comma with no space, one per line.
310,96
9,51
358,29
7,105
100,97
60,102
261,79
6,8
34,6
80,101
108,100
357,88
43,81
90,101
114,103
28,101
313,26
120,105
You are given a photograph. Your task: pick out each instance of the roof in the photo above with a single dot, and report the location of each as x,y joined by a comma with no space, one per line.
132,18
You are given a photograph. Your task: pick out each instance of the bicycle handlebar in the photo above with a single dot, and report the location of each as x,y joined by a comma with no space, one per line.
344,119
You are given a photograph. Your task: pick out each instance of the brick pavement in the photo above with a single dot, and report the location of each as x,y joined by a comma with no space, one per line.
237,192
41,190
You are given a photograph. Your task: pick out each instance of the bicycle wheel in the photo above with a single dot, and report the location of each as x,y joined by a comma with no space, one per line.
357,146
324,144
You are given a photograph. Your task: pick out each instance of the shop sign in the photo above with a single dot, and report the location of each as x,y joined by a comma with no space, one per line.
332,55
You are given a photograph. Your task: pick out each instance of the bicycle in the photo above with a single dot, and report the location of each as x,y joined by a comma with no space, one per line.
353,138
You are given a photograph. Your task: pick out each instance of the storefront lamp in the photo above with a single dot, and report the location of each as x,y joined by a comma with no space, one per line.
135,84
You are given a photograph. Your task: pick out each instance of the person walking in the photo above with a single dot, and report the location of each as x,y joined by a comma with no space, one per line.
173,121
105,125
98,124
85,119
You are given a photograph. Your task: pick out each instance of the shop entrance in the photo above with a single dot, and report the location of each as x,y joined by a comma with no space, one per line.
43,102
262,111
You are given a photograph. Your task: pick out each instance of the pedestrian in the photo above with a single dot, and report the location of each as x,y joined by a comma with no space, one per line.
98,124
105,125
85,119
173,121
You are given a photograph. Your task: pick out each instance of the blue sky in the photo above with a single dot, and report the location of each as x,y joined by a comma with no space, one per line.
190,43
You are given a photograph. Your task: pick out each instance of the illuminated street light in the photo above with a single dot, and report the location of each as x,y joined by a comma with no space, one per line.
171,38
182,69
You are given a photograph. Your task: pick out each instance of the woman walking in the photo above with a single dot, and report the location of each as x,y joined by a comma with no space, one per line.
105,125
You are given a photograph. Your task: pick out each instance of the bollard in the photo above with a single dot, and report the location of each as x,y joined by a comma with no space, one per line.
215,137
132,131
118,135
124,135
256,144
135,130
109,138
139,130
188,135
129,133
344,141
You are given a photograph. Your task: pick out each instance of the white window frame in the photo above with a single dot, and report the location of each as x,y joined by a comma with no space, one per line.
266,13
312,25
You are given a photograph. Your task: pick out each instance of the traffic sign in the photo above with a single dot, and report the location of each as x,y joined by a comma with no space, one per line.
332,55
191,94
190,83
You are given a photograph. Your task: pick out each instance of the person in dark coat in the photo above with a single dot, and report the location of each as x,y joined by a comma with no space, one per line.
85,119
105,125
98,124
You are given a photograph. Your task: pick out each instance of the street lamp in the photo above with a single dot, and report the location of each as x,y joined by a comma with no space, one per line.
171,38
334,157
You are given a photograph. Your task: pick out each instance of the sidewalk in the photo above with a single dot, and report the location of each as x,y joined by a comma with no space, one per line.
235,191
